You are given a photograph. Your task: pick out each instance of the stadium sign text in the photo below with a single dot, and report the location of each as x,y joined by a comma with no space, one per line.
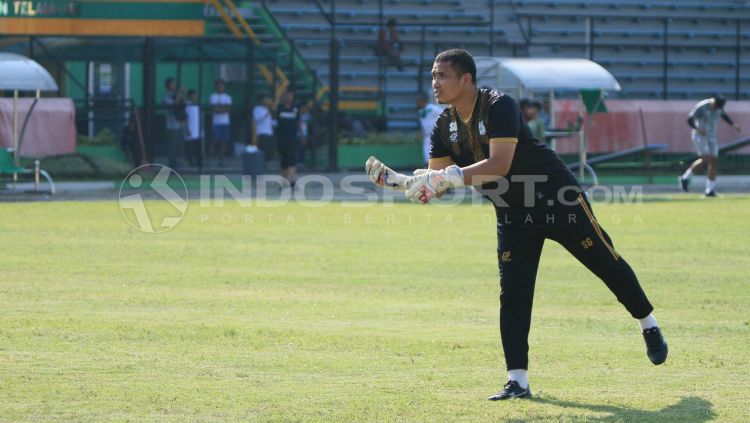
28,8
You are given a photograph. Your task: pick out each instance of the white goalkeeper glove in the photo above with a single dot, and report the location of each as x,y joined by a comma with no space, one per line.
424,186
383,176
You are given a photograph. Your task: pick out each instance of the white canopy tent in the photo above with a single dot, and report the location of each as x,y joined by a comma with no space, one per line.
19,73
522,77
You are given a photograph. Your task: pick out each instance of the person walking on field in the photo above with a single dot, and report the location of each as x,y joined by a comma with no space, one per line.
703,119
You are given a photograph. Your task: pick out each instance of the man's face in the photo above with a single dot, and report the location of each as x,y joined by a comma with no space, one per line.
289,97
446,84
219,87
530,113
171,86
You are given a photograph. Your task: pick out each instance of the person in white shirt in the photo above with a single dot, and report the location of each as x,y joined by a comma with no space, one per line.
193,152
703,119
221,104
428,115
263,127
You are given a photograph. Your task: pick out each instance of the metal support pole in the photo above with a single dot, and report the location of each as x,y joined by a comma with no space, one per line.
582,140
179,75
334,108
381,13
37,169
201,125
250,70
665,59
587,36
200,71
333,92
592,23
737,62
249,87
420,73
492,28
528,40
16,153
291,65
149,93
552,122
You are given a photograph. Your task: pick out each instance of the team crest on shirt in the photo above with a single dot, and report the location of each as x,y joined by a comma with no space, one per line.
482,131
453,127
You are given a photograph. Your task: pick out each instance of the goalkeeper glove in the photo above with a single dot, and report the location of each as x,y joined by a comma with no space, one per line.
383,176
425,186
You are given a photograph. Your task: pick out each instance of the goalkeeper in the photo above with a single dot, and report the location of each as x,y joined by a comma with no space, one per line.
482,140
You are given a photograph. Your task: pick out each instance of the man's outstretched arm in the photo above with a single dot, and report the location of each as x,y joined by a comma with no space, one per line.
725,117
494,167
427,185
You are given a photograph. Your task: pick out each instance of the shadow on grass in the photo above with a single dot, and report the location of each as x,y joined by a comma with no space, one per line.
691,409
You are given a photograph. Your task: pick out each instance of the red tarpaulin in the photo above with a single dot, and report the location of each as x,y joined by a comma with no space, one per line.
51,129
665,121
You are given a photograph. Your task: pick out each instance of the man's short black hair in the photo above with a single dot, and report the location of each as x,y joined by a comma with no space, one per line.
719,100
168,81
460,60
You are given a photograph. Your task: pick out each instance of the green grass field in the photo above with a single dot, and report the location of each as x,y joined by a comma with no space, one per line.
374,313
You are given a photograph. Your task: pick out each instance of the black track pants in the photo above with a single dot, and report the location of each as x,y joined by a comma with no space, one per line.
520,244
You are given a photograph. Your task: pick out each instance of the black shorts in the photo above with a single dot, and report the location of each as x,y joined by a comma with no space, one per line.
266,143
288,148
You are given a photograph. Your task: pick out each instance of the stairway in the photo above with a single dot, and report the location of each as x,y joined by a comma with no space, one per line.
278,63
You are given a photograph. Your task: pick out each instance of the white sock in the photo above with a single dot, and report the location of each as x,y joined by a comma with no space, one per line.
710,185
688,173
520,376
647,322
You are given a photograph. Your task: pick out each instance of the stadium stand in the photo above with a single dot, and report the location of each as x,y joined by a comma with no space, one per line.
627,38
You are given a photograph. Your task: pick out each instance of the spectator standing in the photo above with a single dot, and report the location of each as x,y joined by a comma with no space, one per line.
221,104
263,127
531,110
287,130
193,151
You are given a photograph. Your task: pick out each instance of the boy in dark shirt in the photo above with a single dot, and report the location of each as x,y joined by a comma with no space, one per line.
287,135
